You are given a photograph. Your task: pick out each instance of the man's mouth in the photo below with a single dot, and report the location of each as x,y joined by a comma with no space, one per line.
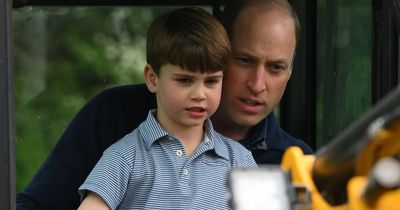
250,102
251,106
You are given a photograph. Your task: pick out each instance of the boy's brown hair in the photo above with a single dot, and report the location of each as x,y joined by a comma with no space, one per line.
189,37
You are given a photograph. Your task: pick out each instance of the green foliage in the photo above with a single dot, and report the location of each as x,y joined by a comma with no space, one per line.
62,58
344,65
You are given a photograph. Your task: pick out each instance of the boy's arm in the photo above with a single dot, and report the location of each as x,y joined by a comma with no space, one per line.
94,202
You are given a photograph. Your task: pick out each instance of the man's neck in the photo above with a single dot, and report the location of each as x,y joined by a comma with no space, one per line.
230,130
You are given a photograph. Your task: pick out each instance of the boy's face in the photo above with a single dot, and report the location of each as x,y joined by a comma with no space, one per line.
184,98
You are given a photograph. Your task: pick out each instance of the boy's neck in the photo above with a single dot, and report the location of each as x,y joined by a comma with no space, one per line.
189,136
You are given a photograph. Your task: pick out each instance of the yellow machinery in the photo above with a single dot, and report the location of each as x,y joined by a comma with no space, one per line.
358,170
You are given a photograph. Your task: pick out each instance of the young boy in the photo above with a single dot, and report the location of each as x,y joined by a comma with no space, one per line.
174,159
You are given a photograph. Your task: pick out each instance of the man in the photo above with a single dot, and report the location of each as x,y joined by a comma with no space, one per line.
263,37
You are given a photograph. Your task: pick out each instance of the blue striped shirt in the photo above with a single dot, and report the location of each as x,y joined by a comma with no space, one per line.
148,169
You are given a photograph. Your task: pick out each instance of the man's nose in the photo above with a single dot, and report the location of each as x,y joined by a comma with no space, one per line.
257,81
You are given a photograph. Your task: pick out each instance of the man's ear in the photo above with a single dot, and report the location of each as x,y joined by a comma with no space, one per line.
150,77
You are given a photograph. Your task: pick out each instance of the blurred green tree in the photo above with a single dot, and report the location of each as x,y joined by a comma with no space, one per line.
63,56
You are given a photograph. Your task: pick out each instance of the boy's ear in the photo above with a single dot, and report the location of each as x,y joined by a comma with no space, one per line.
150,77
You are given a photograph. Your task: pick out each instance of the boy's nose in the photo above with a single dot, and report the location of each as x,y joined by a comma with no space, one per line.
198,92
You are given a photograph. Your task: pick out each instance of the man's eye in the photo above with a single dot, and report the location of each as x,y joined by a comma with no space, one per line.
277,68
244,60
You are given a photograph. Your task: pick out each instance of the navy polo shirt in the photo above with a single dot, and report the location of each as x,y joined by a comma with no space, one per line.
268,142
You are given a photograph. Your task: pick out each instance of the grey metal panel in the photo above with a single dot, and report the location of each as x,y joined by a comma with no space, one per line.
21,3
7,166
298,106
385,55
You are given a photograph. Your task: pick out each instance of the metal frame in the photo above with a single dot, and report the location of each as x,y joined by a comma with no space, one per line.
298,106
7,155
21,3
385,53
300,93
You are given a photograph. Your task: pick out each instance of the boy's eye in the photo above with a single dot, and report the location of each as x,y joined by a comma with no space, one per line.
184,81
212,82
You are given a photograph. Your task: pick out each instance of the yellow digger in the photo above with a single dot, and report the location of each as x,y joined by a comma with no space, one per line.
358,170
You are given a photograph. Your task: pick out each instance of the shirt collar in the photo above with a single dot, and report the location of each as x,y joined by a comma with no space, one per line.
152,131
216,141
265,135
257,138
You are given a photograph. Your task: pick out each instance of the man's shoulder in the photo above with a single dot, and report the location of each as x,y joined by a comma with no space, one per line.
276,133
291,141
126,92
123,102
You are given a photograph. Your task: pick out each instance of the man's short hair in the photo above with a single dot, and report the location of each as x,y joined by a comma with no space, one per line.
234,7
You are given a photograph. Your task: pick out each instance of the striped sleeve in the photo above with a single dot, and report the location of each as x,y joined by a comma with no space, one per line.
109,178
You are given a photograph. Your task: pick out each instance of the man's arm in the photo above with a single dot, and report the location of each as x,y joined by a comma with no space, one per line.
103,120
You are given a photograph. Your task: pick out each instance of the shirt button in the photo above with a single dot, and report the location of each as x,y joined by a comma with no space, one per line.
185,171
179,152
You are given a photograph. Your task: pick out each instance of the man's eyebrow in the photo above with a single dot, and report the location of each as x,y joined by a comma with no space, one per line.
279,60
270,61
241,53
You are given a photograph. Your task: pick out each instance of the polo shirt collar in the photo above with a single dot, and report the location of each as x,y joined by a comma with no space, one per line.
257,138
265,135
215,140
152,131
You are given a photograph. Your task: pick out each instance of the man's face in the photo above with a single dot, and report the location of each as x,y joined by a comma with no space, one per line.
263,46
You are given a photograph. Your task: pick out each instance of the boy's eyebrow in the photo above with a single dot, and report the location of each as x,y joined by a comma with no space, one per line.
215,76
183,75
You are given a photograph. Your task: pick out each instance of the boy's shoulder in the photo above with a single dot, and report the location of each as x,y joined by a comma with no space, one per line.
228,141
236,151
127,145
